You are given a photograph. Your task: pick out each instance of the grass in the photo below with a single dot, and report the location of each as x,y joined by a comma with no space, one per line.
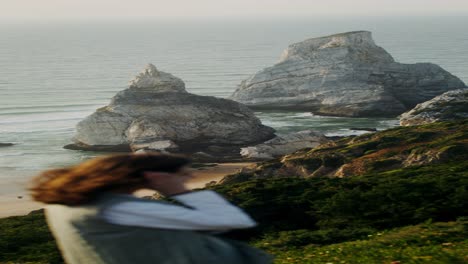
430,243
26,239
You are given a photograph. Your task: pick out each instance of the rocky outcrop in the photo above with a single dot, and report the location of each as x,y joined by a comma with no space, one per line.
285,144
381,151
156,112
449,106
344,75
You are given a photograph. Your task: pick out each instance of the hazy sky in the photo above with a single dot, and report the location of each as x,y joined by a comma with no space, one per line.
20,10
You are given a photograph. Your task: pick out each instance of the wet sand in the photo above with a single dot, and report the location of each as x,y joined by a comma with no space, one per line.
21,204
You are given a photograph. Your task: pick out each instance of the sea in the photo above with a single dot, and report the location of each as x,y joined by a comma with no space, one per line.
54,74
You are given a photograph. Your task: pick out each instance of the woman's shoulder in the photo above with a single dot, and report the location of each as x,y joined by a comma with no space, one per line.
112,198
98,204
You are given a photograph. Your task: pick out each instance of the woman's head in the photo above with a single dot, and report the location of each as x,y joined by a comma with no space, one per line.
82,183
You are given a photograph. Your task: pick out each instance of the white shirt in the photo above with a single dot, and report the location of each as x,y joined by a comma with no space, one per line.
208,211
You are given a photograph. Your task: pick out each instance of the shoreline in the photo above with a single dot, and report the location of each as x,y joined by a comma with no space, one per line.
16,207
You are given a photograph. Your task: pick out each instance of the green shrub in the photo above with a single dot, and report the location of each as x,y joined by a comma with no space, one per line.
375,201
435,243
26,239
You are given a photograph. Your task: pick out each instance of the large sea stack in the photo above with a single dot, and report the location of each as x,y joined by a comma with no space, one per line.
344,75
156,112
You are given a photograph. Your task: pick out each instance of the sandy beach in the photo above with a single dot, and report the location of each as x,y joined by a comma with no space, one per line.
11,205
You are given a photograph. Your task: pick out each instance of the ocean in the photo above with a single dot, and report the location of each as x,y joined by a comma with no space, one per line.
52,75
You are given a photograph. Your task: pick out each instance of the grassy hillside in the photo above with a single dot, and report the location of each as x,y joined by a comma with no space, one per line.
340,209
425,243
402,181
297,212
26,239
434,243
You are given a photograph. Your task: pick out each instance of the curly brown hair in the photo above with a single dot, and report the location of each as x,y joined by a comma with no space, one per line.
81,184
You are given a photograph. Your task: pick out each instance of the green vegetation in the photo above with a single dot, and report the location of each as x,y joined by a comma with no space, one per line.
26,239
300,218
339,209
434,243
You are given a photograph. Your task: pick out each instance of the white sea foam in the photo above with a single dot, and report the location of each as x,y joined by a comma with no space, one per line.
308,114
345,133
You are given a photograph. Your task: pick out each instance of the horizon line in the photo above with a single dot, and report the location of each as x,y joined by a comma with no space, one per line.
453,15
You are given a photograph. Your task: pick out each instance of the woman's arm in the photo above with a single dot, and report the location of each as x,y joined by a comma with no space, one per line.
208,211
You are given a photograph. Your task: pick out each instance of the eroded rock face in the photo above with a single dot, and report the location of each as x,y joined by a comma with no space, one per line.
285,144
157,112
387,150
344,75
452,105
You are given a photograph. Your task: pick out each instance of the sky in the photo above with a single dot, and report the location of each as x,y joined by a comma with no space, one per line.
44,10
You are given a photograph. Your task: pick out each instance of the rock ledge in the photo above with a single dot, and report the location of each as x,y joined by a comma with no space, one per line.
450,106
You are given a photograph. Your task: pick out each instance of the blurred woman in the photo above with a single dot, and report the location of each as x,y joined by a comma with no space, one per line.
96,219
